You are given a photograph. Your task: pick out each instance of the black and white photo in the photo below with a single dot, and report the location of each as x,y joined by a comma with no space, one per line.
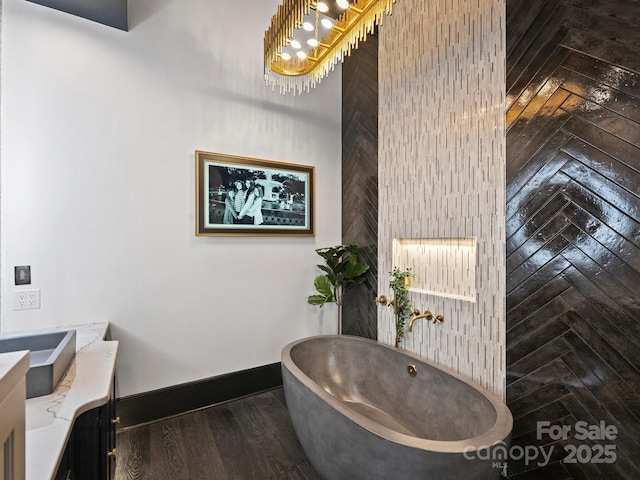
248,196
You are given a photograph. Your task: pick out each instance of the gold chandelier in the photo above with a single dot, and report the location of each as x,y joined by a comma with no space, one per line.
308,37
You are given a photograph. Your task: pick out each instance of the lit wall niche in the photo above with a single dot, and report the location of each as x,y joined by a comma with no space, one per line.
445,267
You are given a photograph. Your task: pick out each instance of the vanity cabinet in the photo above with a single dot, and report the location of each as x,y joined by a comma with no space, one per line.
13,388
91,449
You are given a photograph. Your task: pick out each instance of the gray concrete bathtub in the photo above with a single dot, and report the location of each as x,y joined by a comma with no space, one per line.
359,414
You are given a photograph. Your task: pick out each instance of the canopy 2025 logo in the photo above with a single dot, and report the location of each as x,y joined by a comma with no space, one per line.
588,452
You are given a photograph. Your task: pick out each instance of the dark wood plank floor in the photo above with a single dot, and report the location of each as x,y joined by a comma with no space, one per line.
250,438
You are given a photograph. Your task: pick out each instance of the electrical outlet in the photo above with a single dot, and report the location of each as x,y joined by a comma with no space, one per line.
26,299
33,298
20,300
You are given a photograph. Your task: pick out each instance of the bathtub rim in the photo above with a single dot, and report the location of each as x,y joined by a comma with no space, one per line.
497,435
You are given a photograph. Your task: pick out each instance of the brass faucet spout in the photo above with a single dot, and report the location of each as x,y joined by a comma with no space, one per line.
426,315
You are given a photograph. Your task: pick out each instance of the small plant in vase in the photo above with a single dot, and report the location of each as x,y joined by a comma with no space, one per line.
342,270
400,282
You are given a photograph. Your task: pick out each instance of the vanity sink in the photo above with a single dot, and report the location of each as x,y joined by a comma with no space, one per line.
49,357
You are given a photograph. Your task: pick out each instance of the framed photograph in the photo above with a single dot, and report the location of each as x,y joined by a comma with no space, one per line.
248,196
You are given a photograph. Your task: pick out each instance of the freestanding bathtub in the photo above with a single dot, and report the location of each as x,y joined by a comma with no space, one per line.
364,411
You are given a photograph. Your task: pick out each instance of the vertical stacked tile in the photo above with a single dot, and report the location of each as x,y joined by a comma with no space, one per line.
442,171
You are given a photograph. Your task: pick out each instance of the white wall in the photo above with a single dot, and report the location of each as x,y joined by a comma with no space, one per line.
442,172
99,129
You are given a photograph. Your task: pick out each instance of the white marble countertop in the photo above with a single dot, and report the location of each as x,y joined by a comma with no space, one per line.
85,385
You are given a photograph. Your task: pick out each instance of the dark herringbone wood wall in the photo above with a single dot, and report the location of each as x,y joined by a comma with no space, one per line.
573,231
360,180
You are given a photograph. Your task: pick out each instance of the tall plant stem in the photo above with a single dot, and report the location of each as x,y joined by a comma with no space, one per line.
339,294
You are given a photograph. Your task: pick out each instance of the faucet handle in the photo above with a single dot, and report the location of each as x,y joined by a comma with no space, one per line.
382,300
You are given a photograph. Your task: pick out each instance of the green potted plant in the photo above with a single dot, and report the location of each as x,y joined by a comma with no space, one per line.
342,270
400,281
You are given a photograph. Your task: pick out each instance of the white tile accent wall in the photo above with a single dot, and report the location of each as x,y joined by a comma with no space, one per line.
442,170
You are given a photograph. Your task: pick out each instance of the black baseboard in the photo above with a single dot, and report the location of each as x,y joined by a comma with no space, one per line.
176,400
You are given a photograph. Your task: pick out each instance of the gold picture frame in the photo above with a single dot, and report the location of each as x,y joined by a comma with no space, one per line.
238,196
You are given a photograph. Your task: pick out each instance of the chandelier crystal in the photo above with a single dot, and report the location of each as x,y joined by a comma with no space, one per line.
305,42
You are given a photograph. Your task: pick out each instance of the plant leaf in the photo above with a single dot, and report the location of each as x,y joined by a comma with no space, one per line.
317,300
323,285
342,269
355,270
325,269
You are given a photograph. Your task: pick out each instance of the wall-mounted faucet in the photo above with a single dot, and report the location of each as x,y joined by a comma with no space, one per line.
427,315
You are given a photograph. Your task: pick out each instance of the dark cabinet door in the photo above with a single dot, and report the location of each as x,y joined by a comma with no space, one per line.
91,448
108,434
89,457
